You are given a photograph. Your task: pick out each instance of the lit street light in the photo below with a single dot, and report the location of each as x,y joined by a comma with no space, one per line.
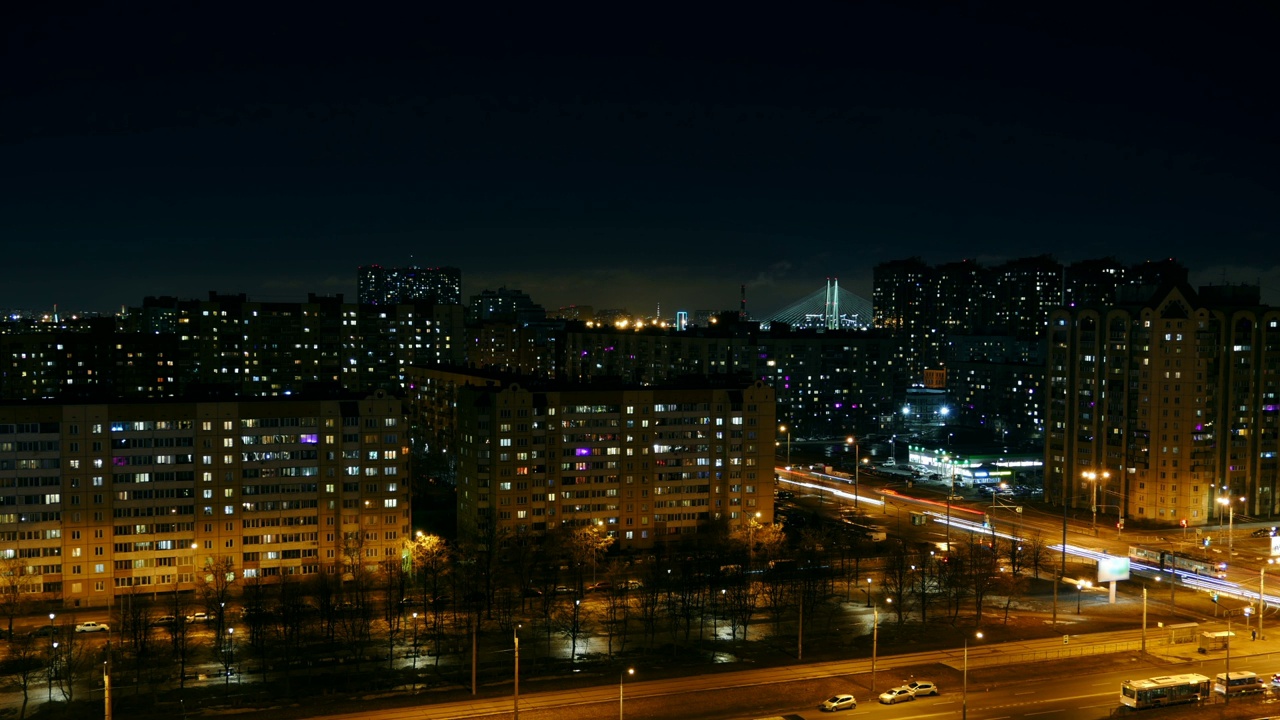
53,651
868,592
783,428
875,641
515,633
1231,522
1093,478
1080,586
856,462
629,671
964,701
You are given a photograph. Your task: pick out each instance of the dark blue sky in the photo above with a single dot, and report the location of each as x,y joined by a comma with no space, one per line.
626,155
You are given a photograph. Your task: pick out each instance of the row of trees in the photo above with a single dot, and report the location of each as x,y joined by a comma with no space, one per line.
438,596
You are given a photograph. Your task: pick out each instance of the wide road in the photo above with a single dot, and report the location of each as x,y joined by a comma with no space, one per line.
995,690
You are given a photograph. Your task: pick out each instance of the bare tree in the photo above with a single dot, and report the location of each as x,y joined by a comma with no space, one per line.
394,581
983,567
69,662
179,637
133,620
214,582
431,559
1036,553
15,586
586,546
896,578
23,664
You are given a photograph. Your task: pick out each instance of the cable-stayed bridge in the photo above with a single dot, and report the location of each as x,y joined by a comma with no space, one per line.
828,308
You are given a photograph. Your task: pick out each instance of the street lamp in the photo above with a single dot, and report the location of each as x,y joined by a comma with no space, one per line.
231,657
1093,478
53,658
856,462
53,650
1231,522
783,429
623,676
875,641
964,701
515,633
1080,586
415,648
868,592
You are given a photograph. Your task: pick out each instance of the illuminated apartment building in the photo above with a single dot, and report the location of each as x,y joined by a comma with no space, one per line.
377,285
1169,403
100,500
648,465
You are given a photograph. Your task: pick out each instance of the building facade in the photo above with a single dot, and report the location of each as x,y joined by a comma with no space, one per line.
646,465
102,500
1166,410
377,285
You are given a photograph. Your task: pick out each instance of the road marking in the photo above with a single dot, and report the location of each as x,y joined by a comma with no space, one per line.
1042,712
1026,692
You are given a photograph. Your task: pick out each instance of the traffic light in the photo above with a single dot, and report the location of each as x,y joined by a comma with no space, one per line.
1183,522
1214,596
1206,542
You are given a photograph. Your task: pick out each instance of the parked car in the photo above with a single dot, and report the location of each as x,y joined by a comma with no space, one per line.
922,687
162,621
563,590
198,617
839,702
602,586
46,631
91,626
1264,532
896,695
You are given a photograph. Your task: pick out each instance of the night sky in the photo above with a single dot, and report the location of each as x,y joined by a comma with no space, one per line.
626,155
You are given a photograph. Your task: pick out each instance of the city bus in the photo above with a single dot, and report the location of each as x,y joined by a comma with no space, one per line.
1237,682
1164,690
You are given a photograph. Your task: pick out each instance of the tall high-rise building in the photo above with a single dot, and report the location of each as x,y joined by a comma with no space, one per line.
99,500
1168,409
377,285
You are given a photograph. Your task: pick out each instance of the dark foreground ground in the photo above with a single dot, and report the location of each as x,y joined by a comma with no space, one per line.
344,690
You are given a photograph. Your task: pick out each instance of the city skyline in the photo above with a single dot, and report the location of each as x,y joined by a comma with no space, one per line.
665,159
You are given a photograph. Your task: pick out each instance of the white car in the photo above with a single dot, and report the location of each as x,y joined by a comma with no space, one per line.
91,626
839,702
922,687
896,695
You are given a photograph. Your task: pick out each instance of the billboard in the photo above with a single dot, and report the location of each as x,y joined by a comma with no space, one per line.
1113,568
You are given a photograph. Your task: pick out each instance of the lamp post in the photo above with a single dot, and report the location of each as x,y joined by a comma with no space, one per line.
875,641
856,462
415,647
231,657
623,676
1093,478
1262,596
868,592
950,494
53,658
1080,586
53,650
515,634
783,428
964,701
